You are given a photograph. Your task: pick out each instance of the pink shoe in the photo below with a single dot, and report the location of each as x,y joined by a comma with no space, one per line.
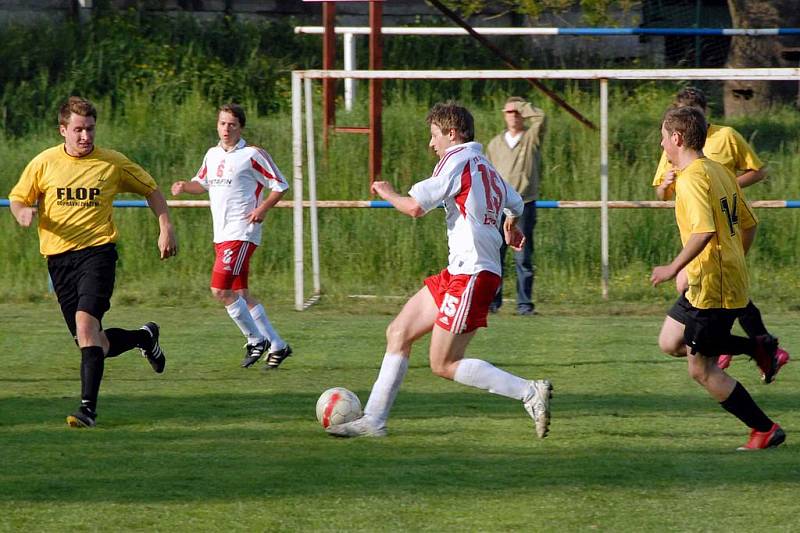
724,361
781,358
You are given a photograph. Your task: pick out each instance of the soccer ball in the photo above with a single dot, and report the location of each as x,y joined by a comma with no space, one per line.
338,406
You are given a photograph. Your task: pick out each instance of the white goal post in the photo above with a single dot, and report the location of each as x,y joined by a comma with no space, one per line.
301,84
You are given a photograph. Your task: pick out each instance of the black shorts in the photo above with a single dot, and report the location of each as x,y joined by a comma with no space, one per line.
84,281
706,330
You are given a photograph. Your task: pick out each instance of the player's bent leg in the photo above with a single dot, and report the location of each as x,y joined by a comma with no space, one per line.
706,373
447,350
88,331
414,320
670,339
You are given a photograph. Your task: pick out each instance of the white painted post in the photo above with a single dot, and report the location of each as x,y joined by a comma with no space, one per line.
349,64
312,187
604,184
297,158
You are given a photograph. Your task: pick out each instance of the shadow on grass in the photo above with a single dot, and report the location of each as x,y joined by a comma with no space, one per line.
224,446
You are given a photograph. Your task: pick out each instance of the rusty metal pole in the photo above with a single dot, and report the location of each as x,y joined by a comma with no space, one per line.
375,92
328,62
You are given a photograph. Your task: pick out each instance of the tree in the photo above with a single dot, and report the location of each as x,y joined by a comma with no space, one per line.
745,97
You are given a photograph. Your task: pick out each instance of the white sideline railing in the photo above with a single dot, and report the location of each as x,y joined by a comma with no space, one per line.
602,75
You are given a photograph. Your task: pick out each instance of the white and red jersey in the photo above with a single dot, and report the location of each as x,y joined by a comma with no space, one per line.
235,181
474,197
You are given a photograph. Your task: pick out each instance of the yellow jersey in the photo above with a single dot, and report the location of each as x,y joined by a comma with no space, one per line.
724,145
707,200
75,195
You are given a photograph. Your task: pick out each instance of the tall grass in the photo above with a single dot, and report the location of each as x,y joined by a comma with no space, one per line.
157,82
380,251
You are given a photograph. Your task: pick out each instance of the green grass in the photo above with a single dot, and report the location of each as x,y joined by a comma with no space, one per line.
207,446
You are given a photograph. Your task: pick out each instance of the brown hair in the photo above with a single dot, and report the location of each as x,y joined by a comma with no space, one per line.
691,97
450,115
234,109
79,106
690,122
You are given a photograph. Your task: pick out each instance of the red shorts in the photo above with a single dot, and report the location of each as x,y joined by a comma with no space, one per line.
463,299
232,264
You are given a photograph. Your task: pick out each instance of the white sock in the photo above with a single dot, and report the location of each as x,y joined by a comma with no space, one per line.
241,316
265,327
384,391
482,375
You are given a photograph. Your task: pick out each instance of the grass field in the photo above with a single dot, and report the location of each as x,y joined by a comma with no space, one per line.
208,446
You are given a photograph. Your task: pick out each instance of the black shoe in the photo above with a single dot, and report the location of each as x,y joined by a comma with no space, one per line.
526,311
275,359
254,353
82,418
154,354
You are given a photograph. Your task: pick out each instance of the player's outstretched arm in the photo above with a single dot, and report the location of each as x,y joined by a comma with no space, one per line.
751,177
405,204
167,242
23,214
191,187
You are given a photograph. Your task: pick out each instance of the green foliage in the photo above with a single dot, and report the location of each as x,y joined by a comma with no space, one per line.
157,106
212,447
594,12
118,52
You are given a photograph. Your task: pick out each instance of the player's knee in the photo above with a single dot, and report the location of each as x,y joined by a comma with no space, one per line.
671,346
441,369
221,295
396,333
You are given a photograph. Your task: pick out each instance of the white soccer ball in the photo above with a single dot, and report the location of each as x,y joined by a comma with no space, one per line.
338,406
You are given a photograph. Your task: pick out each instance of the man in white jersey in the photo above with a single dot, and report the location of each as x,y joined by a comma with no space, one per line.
457,299
235,174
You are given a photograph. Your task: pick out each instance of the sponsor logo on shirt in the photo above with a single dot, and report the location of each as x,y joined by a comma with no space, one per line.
77,196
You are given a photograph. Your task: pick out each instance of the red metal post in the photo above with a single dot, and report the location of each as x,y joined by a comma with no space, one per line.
375,91
328,62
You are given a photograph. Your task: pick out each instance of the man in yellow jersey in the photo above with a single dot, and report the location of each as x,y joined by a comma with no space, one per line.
74,185
716,228
725,146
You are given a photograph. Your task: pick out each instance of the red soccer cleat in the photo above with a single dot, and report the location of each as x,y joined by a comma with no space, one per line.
760,440
766,357
724,361
781,358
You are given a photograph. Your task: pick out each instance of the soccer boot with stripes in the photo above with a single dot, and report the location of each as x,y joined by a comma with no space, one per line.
253,353
274,359
153,353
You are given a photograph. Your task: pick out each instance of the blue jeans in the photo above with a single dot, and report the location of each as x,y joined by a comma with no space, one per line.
523,261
